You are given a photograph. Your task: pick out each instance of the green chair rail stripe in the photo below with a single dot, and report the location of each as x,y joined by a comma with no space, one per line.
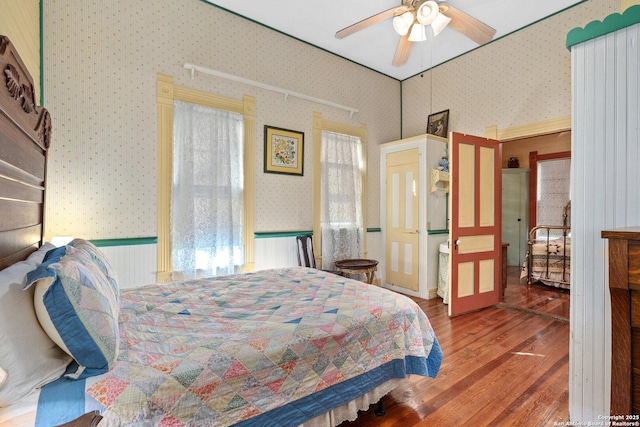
611,23
125,242
438,232
274,234
154,240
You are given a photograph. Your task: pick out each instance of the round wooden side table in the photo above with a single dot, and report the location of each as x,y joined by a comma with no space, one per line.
368,267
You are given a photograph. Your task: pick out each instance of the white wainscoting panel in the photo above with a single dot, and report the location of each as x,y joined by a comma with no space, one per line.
275,252
605,179
375,250
136,265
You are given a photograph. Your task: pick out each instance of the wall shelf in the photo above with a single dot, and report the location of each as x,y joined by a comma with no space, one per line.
437,176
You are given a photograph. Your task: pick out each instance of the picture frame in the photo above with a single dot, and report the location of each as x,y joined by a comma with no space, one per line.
438,124
283,151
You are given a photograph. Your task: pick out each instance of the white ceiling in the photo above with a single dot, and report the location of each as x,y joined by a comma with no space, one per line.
316,23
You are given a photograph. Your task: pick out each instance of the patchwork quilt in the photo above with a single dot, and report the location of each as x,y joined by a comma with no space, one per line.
273,347
552,267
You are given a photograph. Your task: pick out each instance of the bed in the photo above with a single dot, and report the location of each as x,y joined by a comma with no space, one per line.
292,346
548,259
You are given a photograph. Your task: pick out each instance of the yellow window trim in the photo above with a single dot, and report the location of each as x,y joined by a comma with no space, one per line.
319,125
167,92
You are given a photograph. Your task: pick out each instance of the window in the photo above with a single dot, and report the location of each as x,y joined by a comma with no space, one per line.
207,191
553,192
341,198
167,93
339,191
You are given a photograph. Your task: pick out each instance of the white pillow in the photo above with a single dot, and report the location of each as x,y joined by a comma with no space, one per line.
3,376
37,257
77,305
30,358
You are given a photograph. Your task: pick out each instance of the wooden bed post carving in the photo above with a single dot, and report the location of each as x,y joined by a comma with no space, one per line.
44,128
4,42
19,91
22,177
19,85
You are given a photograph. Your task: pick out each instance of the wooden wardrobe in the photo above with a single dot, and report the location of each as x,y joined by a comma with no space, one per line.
624,285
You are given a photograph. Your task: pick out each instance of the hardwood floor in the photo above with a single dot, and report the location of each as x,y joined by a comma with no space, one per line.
540,298
506,365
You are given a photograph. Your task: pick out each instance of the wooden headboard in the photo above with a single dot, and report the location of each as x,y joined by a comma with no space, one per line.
25,133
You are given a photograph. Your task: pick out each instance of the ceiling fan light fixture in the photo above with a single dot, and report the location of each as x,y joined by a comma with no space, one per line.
427,12
402,23
418,33
440,23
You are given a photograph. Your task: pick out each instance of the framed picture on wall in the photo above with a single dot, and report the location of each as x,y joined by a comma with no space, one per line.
283,151
438,124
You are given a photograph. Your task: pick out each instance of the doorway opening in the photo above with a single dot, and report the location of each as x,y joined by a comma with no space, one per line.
541,160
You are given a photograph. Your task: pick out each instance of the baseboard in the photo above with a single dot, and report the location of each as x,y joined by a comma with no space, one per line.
433,293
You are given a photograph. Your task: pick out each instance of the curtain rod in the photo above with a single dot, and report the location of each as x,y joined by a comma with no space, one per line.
285,92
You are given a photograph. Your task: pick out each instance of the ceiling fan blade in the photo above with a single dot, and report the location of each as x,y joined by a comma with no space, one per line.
379,17
402,52
477,31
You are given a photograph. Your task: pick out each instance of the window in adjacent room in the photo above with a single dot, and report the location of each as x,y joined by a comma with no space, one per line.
339,191
553,193
207,194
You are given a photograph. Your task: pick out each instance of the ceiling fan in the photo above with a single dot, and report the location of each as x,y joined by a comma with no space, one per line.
411,18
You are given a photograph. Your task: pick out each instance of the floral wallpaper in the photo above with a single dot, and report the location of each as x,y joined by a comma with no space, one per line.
100,65
520,79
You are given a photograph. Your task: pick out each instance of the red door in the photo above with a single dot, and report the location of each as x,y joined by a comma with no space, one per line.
475,231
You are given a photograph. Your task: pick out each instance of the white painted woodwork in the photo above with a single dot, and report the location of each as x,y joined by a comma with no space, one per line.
136,265
275,252
605,178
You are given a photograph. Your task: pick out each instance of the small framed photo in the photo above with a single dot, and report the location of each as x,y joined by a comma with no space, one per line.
283,151
438,124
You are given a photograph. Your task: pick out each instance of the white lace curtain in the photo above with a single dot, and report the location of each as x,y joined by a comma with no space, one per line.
206,200
341,198
553,192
